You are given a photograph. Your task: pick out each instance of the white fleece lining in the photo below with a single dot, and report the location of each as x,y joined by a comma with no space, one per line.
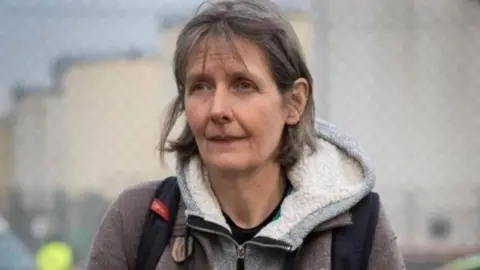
202,194
323,181
319,180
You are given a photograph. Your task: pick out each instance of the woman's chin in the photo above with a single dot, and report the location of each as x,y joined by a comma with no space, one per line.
227,164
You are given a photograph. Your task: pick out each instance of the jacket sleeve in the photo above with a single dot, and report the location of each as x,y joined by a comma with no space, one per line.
385,251
115,245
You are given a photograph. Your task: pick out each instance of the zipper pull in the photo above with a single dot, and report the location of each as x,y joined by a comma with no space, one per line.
241,252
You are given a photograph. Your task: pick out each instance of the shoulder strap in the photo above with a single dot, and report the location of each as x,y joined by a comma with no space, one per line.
351,245
158,225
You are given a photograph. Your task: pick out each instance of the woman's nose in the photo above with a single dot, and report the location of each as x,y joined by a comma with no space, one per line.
220,111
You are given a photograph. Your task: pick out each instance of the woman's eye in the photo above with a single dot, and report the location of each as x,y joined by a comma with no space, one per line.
245,86
199,87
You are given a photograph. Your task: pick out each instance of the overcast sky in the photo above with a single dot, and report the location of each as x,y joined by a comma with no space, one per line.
35,32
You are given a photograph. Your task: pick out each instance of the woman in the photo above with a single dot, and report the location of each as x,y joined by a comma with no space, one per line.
263,185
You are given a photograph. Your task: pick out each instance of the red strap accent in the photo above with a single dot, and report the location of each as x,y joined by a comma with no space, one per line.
161,209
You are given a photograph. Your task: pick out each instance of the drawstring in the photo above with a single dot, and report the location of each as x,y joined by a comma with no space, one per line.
187,261
185,244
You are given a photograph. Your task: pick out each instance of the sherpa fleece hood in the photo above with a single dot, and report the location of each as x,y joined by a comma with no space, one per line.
325,184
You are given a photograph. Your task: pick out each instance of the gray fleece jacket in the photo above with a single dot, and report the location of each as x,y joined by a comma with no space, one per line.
326,185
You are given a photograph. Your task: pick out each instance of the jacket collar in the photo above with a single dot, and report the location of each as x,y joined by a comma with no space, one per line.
341,220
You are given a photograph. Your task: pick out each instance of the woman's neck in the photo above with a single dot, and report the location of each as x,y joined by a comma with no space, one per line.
248,198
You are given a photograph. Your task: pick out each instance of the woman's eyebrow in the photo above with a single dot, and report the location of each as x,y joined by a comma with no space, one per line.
207,76
197,76
244,74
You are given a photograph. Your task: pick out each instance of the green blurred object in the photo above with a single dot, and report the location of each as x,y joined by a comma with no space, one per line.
55,256
467,263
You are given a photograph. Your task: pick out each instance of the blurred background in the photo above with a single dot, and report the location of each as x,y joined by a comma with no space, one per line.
84,85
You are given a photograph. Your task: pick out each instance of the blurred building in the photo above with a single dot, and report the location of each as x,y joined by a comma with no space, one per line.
32,190
111,112
401,76
77,145
5,162
30,132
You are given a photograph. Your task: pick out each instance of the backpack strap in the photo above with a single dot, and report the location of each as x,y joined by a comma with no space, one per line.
352,245
158,225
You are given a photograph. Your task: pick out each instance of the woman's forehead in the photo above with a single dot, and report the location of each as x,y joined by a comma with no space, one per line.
230,55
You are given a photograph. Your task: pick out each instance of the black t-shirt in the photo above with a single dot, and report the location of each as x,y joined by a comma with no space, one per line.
243,235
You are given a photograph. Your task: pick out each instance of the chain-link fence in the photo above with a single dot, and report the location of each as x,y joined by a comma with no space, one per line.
400,76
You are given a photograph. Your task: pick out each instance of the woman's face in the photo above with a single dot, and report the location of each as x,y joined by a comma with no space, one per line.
233,106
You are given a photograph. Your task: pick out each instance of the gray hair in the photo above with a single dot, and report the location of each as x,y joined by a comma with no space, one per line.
263,24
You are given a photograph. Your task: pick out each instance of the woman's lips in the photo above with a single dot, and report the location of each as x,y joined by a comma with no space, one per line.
226,140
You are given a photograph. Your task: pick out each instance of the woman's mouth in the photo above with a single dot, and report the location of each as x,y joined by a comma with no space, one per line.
225,139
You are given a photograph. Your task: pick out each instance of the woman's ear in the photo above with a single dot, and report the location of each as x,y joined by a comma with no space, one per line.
297,101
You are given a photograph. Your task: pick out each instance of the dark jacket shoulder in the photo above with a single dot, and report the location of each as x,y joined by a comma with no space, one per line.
115,245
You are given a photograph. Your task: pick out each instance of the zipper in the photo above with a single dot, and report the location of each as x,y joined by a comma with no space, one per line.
240,248
214,232
265,245
241,257
241,253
